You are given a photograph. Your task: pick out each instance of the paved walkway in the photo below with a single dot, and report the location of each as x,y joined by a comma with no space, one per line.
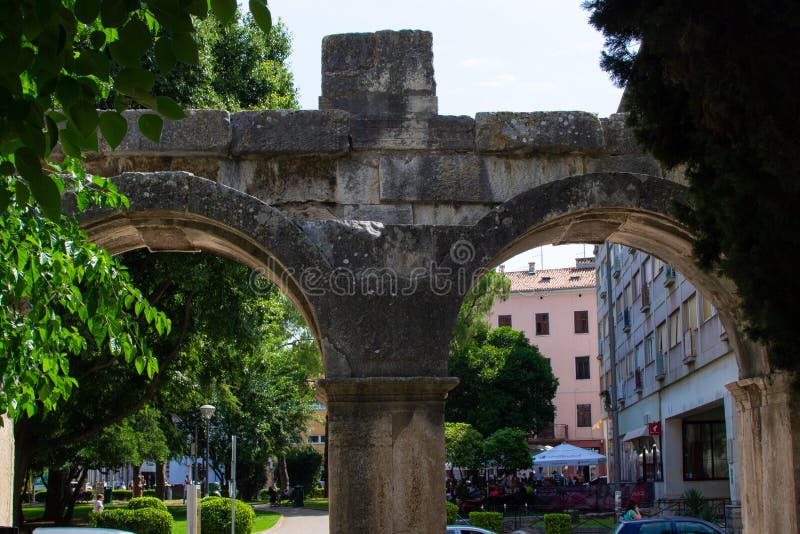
298,521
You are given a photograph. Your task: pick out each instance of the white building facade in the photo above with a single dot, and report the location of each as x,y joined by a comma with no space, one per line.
676,419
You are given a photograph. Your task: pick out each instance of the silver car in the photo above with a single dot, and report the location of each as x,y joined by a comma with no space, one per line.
668,525
467,529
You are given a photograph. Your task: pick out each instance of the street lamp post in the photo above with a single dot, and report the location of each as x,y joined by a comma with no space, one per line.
207,411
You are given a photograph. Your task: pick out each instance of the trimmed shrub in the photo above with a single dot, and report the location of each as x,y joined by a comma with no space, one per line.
215,516
139,521
122,495
40,496
147,502
149,493
263,494
557,523
489,520
452,513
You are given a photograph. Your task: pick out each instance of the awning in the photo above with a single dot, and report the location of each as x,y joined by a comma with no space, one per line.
640,432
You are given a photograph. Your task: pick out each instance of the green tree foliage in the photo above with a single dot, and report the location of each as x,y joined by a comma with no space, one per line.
713,86
505,382
472,316
304,465
463,446
508,448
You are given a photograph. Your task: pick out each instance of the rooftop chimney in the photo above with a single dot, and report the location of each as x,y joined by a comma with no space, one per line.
502,268
532,267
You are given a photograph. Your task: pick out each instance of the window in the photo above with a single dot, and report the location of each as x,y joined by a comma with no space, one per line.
705,455
582,371
648,349
657,527
707,310
629,363
635,286
647,272
674,328
584,415
690,313
315,439
542,324
618,307
581,322
316,405
658,265
692,527
661,338
639,356
628,296
503,320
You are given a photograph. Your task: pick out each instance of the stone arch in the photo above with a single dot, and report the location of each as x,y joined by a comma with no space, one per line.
635,210
181,212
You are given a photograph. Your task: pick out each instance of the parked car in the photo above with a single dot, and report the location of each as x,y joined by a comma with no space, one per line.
668,525
467,529
78,530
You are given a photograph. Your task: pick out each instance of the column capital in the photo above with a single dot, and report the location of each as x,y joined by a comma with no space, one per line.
385,389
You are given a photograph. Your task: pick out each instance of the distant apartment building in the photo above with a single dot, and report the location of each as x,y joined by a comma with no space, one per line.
556,309
672,360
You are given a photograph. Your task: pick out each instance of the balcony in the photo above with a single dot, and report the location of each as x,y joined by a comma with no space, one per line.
669,276
637,380
615,263
661,368
626,320
645,298
689,346
602,291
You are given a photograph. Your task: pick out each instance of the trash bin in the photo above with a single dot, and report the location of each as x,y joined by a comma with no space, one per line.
167,492
297,496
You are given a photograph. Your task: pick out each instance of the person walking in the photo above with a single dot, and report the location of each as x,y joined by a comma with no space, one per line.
97,506
632,511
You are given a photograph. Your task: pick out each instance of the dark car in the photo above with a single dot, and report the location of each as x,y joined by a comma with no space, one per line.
667,525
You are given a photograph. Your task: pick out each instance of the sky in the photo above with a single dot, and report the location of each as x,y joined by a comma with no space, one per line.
505,55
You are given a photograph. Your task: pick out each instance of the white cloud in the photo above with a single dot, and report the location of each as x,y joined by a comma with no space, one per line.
479,62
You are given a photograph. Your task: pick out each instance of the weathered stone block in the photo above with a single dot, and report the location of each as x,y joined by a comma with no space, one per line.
201,132
358,180
384,213
508,177
640,164
387,72
618,138
281,180
275,132
450,214
434,178
538,132
392,132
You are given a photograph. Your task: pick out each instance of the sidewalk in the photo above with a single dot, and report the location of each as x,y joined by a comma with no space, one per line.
297,520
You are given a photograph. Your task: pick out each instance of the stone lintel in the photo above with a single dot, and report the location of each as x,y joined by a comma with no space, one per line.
412,389
278,132
202,132
538,132
413,133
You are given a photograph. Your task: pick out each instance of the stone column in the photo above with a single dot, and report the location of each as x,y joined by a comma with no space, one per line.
386,454
769,452
6,472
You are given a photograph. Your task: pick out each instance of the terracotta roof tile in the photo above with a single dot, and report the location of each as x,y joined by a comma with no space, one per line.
550,279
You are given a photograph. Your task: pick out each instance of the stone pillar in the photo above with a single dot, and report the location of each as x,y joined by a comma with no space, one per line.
6,472
386,454
769,452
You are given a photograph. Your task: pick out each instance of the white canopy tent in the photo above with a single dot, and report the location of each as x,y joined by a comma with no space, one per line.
566,454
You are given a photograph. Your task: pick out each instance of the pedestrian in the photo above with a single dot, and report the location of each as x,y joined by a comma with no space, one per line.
632,511
97,506
187,487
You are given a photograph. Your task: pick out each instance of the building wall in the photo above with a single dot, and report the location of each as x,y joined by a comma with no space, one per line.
6,471
561,346
669,379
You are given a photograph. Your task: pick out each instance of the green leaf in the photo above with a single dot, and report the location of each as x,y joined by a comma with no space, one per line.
134,81
185,48
199,8
22,192
135,36
261,14
113,13
169,108
5,199
68,90
84,115
165,57
86,11
150,125
98,39
224,9
52,134
140,363
114,127
93,62
44,188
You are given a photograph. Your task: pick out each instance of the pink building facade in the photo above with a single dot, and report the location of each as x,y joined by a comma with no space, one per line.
557,311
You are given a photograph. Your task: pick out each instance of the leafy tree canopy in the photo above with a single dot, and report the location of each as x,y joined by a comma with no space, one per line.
508,448
713,86
475,308
505,382
463,446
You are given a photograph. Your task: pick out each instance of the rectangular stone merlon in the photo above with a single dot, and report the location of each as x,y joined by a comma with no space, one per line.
434,178
202,132
276,132
619,139
382,73
556,132
413,133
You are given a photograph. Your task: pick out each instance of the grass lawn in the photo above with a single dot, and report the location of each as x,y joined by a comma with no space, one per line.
317,504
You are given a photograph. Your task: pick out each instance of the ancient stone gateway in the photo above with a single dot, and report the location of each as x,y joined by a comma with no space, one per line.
375,214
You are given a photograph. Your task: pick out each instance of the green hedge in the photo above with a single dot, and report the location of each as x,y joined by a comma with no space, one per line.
138,503
489,520
215,516
40,496
452,513
122,495
557,523
149,493
139,521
